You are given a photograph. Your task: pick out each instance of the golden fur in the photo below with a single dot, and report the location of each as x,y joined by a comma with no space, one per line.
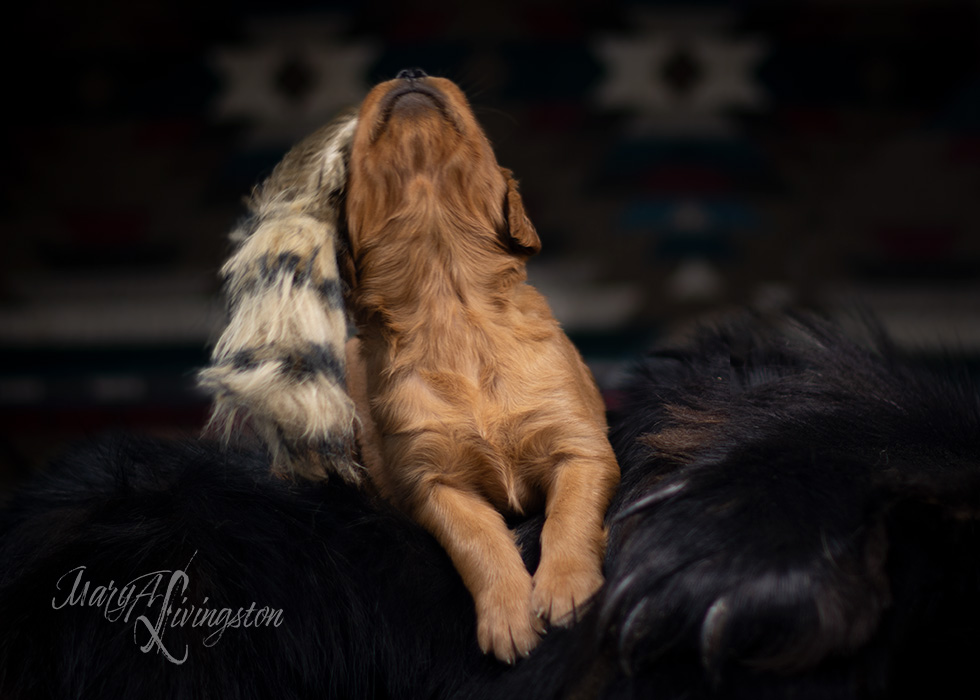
475,402
280,362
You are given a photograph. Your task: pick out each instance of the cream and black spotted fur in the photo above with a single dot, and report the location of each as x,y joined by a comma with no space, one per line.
279,364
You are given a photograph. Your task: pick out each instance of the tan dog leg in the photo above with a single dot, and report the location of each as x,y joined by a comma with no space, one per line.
486,556
572,540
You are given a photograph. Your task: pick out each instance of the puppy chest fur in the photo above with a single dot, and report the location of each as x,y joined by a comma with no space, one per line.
501,408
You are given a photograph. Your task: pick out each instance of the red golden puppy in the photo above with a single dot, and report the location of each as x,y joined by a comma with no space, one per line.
480,403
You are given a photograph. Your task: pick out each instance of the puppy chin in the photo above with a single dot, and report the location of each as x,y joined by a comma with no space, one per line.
415,105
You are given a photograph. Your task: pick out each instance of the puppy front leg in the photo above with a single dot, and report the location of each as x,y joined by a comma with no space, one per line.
486,557
573,538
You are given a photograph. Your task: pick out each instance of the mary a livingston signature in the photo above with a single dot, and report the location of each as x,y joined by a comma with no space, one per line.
118,603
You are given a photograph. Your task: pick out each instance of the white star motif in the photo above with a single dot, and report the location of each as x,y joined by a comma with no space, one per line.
632,80
637,82
250,77
252,92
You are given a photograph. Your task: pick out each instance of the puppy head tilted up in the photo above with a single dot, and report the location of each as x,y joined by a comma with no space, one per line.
421,168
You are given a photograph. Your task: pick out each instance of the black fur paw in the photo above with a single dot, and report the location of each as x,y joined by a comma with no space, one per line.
754,559
749,527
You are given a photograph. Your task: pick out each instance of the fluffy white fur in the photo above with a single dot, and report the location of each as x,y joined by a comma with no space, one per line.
279,365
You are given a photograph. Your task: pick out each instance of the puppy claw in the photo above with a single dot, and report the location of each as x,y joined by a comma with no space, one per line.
508,644
508,639
539,625
562,598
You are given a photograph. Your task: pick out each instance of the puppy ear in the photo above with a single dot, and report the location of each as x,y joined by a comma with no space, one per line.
520,230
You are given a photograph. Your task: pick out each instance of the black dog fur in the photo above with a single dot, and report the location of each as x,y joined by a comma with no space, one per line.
798,517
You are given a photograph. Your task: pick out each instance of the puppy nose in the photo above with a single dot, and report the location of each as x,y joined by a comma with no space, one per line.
411,74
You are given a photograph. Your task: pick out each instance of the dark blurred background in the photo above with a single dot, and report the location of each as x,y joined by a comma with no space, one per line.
677,158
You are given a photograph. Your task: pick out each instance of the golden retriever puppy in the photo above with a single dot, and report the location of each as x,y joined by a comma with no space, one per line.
479,403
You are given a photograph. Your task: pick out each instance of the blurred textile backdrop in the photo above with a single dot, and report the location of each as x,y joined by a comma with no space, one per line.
676,157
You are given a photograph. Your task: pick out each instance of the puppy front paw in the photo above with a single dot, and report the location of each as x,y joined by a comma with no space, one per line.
563,589
505,625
